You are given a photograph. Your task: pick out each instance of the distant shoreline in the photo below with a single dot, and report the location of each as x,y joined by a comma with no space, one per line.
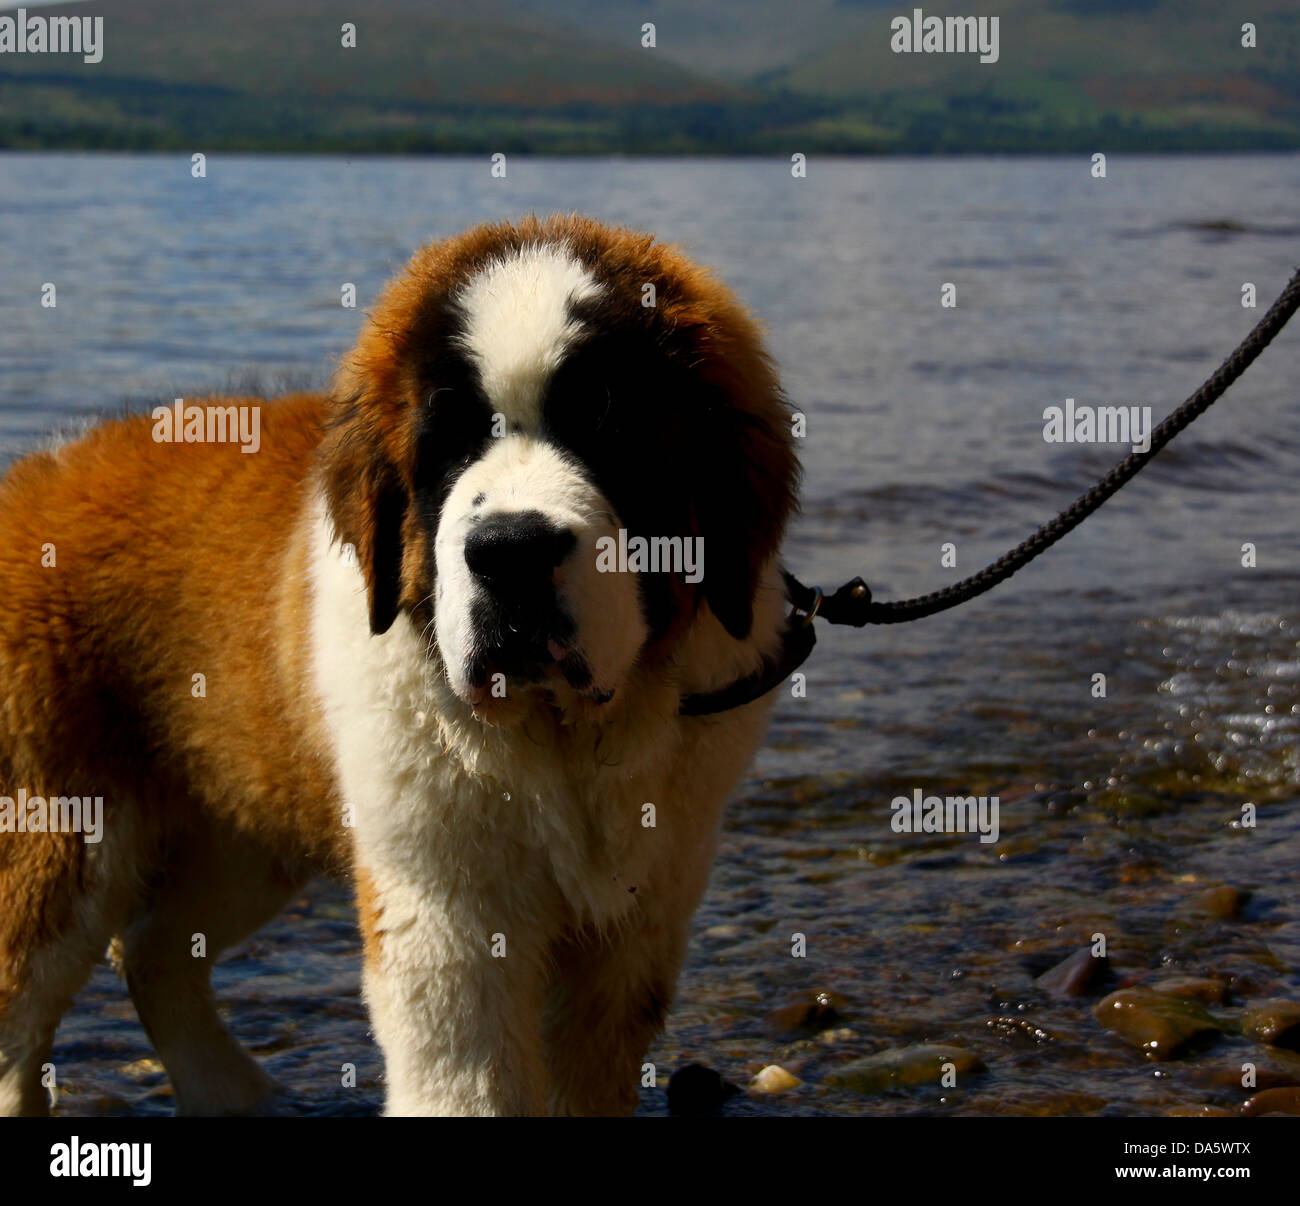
779,155
1083,144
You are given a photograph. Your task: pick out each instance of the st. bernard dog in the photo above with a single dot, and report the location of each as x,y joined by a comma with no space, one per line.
387,646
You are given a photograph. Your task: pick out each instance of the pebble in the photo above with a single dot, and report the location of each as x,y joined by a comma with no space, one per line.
1194,988
905,1066
1272,1068
1073,977
1161,1026
695,1089
1276,1023
142,1069
1273,1101
104,1104
774,1079
822,1012
1223,903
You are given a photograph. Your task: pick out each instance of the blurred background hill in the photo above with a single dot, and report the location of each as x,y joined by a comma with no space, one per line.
729,76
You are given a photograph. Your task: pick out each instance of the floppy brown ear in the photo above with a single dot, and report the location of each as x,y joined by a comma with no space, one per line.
368,502
746,492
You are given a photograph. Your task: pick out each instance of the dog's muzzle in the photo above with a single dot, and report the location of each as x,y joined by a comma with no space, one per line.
522,630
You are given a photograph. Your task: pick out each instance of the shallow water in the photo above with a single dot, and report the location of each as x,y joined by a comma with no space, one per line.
1118,815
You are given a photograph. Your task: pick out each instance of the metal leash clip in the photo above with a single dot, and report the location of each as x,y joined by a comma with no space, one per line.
811,614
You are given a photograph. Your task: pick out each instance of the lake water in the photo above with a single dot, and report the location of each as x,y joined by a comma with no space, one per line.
1119,815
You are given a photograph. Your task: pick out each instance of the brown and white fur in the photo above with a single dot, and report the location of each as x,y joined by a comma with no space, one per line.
524,909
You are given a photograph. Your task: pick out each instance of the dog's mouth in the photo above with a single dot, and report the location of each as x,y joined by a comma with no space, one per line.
515,664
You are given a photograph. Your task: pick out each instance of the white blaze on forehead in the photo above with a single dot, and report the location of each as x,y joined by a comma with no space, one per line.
518,326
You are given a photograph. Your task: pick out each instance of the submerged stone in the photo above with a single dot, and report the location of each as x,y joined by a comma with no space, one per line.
808,1017
1073,977
1224,903
1273,1101
1276,1023
1160,1026
1195,988
906,1066
1200,1111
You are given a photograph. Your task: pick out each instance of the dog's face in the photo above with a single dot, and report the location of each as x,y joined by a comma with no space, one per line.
553,445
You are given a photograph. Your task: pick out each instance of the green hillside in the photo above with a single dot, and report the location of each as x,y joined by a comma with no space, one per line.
748,76
1139,72
274,74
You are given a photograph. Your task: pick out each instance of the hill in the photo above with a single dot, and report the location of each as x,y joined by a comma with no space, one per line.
748,76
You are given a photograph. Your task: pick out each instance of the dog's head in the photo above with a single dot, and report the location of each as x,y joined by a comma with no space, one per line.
553,445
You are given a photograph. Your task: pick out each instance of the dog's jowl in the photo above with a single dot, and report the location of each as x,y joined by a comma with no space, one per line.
389,644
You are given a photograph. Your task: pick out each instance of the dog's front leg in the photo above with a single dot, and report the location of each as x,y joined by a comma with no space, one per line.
455,998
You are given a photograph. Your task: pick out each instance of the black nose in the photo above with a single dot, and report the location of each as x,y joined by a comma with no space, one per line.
519,549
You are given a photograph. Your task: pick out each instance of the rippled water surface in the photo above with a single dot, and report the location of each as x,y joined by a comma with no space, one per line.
1122,816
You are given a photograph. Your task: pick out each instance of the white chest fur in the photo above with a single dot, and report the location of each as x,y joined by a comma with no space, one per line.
475,838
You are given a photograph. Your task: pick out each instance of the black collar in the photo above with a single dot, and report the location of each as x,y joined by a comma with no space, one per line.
797,642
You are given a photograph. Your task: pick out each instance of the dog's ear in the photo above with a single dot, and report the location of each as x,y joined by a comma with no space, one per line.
368,502
745,491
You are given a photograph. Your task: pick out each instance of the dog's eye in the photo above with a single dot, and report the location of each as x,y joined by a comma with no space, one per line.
593,420
453,431
586,411
603,398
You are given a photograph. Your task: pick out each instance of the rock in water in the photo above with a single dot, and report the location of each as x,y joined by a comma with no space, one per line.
1276,1023
808,1017
1074,976
907,1066
695,1089
773,1079
1273,1101
1196,988
1161,1026
1223,903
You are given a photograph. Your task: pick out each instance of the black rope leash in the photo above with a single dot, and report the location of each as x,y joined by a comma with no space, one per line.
852,603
